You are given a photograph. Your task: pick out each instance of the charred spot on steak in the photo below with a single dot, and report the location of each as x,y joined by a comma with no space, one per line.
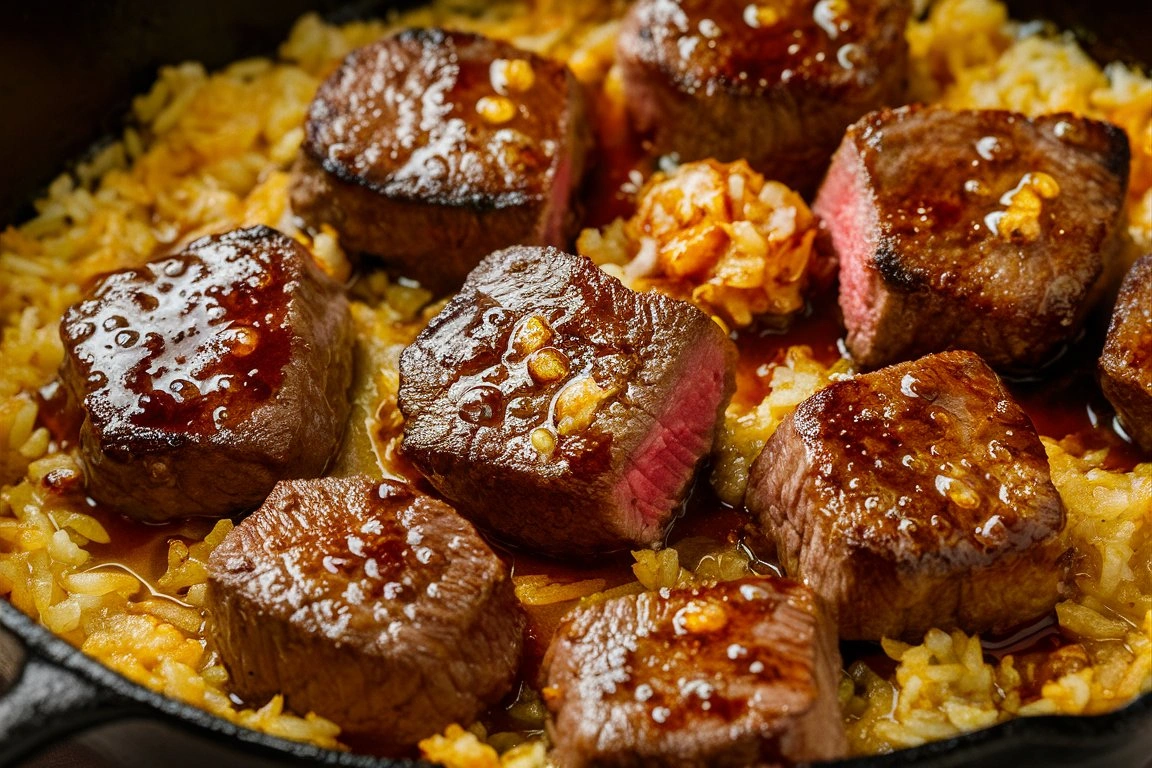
917,496
775,84
979,230
207,376
368,603
1126,365
741,673
559,409
431,149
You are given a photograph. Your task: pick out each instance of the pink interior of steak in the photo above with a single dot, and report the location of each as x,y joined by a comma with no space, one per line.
661,468
847,209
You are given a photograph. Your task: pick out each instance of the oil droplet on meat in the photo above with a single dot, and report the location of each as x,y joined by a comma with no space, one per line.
989,147
480,405
960,493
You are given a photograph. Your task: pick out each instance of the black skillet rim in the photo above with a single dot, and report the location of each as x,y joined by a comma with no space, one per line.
41,643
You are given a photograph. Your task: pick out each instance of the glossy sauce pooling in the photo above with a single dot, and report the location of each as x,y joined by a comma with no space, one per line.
185,344
543,352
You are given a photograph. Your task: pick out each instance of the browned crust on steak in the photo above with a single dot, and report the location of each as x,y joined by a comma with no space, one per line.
208,375
472,405
398,161
707,84
435,245
367,603
1126,364
914,497
737,674
925,273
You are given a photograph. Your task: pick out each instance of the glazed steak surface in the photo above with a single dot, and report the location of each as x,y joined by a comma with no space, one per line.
208,375
978,230
775,84
368,603
1126,365
914,497
431,149
743,673
558,408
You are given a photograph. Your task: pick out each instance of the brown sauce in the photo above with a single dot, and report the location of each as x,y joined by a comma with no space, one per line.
707,522
1064,401
615,163
140,547
1038,634
762,346
58,414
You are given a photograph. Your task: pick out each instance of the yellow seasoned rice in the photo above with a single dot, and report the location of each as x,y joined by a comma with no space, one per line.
945,686
790,382
206,152
968,54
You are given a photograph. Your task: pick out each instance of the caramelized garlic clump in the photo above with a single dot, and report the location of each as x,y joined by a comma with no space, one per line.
511,75
1020,221
533,334
701,617
716,234
547,365
508,76
495,110
757,16
544,441
577,403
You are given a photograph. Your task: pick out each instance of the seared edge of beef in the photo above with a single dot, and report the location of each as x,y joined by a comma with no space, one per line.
1126,363
594,453
931,214
914,497
368,603
208,375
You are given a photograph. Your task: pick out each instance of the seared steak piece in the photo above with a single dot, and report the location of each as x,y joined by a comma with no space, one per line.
775,84
978,230
914,497
432,149
560,409
207,376
368,603
1126,365
743,673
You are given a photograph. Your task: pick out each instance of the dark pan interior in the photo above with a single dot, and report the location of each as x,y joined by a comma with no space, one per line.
68,70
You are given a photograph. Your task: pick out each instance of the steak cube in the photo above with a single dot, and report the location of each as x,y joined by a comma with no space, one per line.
431,149
979,230
559,409
914,497
368,603
739,674
207,376
775,84
1126,365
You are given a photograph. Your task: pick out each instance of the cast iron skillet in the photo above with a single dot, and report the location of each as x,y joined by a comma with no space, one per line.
68,69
